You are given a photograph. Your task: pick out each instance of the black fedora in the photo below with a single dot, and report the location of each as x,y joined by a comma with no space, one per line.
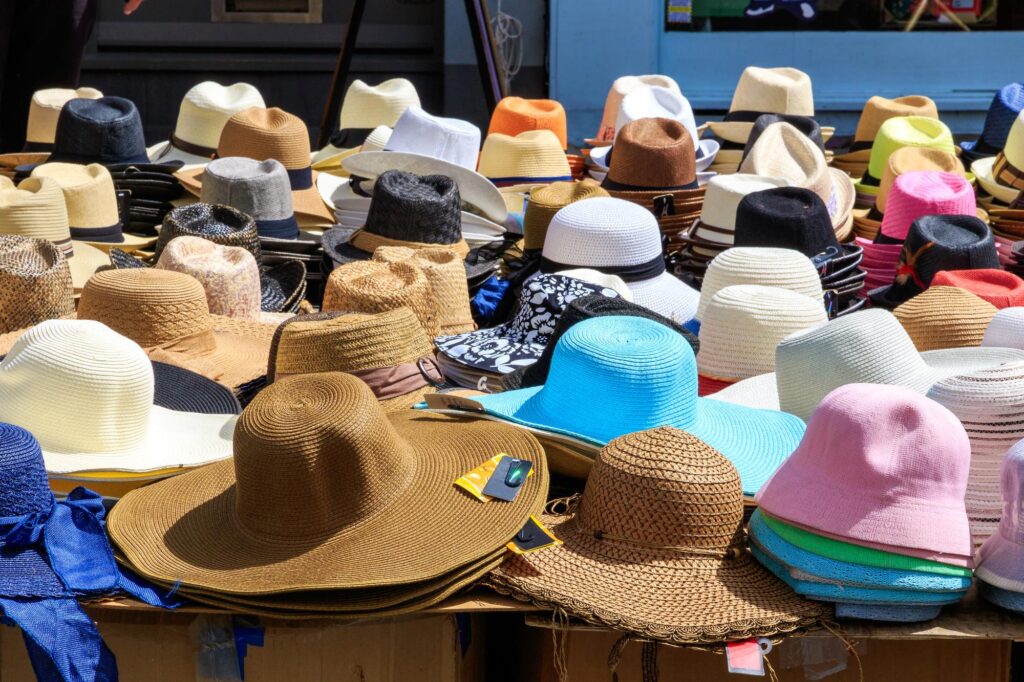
934,243
107,131
805,124
785,218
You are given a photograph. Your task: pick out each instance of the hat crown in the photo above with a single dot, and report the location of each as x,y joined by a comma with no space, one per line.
369,106
999,287
531,154
259,133
778,90
35,283
907,131
45,109
206,108
545,201
909,159
104,130
447,139
89,193
259,188
653,153
314,456
877,110
36,208
415,208
663,487
1011,484
104,380
724,192
782,151
26,489
602,232
376,287
769,266
919,193
655,101
622,86
989,403
1014,147
215,222
149,306
228,274
515,115
1006,330
786,217
945,317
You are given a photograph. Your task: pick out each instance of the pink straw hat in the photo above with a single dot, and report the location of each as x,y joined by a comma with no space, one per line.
921,193
885,466
1001,558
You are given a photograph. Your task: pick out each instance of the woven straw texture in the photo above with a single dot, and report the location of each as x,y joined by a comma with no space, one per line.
920,193
260,189
229,275
279,518
414,209
219,224
910,159
1006,330
656,548
877,110
446,275
546,201
1000,288
35,209
369,106
89,193
35,283
652,154
781,268
907,131
532,154
945,317
260,134
206,108
781,90
44,110
515,115
376,287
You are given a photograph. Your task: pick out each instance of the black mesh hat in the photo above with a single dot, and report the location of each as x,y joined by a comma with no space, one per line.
805,124
934,243
107,130
786,218
578,310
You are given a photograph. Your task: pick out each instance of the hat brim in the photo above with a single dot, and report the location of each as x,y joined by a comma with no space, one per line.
846,195
129,243
598,581
707,151
739,131
982,169
474,189
186,529
280,284
181,390
305,202
87,259
165,152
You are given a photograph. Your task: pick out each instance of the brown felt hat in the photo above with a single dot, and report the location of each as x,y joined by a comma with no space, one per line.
376,287
35,283
352,499
655,547
945,317
652,155
546,201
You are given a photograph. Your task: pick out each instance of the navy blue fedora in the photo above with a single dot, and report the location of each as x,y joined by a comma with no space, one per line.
1003,111
107,131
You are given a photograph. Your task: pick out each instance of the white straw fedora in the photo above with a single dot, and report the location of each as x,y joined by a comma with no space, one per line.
365,108
868,346
717,222
204,110
765,266
105,419
43,112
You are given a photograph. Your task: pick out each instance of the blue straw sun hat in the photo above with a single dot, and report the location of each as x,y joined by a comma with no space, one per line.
899,613
638,374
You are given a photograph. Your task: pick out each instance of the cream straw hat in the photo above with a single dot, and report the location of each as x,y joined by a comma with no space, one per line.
766,266
105,419
742,325
1006,330
43,112
781,90
532,156
365,108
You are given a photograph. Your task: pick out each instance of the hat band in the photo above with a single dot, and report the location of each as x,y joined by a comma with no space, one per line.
729,552
189,148
628,273
1006,173
370,242
402,379
622,187
37,147
285,228
106,235
510,181
300,178
861,145
349,137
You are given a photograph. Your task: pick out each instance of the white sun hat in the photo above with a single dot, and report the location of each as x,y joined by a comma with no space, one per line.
763,265
86,393
869,347
618,237
1006,330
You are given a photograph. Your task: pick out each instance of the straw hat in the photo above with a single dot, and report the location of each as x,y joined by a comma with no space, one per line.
36,209
515,115
1000,288
645,553
531,157
166,313
377,287
106,130
769,267
868,346
273,133
1002,175
204,111
899,132
653,155
1006,330
447,278
35,283
105,419
43,112
860,472
877,110
743,323
91,201
1002,112
945,317
781,90
621,87
999,559
366,109
277,518
923,193
715,230
389,351
546,201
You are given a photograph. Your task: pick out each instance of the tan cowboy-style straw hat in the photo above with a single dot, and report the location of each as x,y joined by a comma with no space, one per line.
36,209
273,133
945,317
655,547
447,278
877,110
278,517
389,351
764,266
43,112
91,201
779,90
546,201
166,313
35,284
376,287
532,156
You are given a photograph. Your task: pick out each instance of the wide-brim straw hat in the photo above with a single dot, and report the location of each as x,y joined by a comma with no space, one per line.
945,317
632,559
206,529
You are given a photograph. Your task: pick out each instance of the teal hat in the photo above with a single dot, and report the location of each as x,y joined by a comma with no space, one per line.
615,375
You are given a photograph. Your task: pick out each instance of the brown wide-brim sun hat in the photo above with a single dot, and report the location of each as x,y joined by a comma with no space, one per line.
306,203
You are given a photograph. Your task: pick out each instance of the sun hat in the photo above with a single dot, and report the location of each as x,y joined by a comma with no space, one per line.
621,87
35,283
877,110
365,108
377,287
641,527
1000,288
868,346
781,90
36,209
432,145
579,309
934,243
765,266
204,111
617,237
882,466
531,157
279,504
652,373
898,132
105,130
166,313
1002,112
43,112
544,202
999,559
447,279
923,193
106,419
91,201
715,230
389,351
261,134
521,340
945,316
652,155
515,115
1006,330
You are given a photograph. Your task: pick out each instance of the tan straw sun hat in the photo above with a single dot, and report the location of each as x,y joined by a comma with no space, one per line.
166,313
655,547
43,112
376,287
447,278
945,317
765,266
344,503
35,284
546,201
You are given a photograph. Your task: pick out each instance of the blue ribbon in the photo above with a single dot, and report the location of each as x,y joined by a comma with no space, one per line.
301,178
285,228
107,235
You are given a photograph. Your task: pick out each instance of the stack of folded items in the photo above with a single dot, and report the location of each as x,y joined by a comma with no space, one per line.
1008,228
1001,557
868,512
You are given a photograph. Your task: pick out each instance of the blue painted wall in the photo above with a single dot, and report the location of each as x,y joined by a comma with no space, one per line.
593,41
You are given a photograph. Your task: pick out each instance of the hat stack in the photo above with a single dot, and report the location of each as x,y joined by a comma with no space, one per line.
619,89
515,115
868,513
1000,176
1002,112
945,317
1008,229
1001,557
275,531
900,131
877,110
545,202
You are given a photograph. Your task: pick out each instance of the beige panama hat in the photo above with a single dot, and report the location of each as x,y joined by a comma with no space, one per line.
43,112
532,156
779,90
366,108
764,266
715,230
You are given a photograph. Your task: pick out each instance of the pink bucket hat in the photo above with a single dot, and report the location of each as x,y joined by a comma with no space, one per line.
1001,558
882,466
921,193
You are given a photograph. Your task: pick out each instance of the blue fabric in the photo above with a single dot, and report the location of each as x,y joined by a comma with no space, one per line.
244,638
858,575
1012,601
692,326
300,178
285,228
488,299
1003,111
896,613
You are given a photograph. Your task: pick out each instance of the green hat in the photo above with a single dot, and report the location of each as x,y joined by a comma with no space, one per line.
899,132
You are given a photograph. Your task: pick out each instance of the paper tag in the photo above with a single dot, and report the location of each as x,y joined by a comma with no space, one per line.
747,657
508,478
532,537
447,401
476,480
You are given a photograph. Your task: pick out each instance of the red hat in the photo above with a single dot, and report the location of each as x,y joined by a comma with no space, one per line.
1000,288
